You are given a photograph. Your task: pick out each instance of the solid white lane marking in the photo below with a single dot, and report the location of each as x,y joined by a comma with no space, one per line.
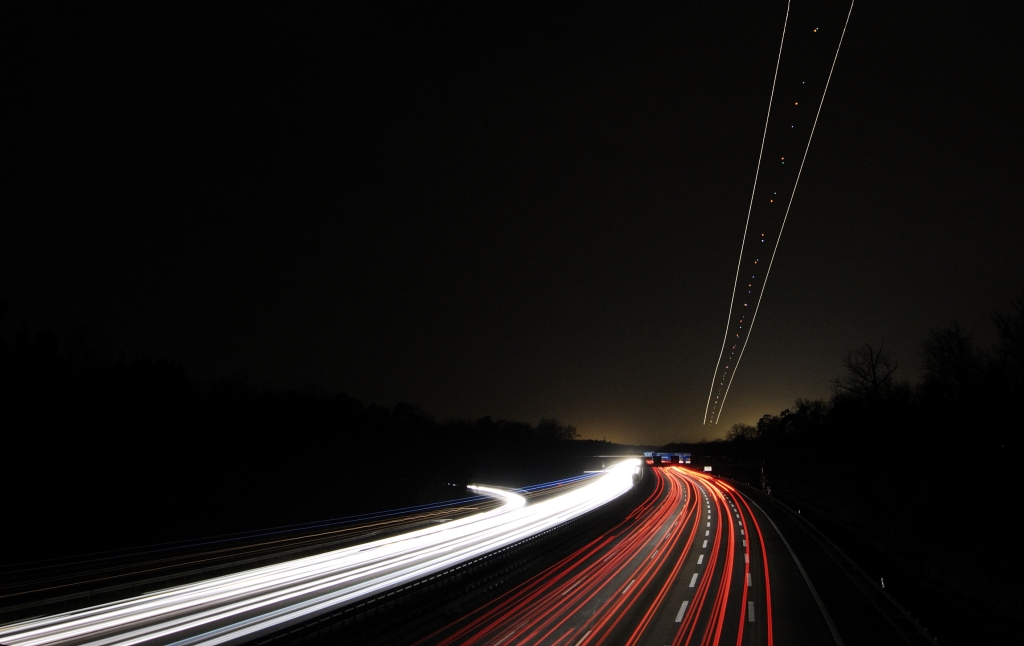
634,581
705,543
693,581
582,638
700,559
807,579
750,611
749,583
682,609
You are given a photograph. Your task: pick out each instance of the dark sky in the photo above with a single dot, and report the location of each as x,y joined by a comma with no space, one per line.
504,209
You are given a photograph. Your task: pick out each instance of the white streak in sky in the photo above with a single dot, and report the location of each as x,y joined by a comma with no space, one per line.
764,283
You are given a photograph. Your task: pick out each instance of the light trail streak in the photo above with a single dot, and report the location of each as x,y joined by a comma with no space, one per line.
160,565
245,605
724,378
750,208
640,582
543,606
92,572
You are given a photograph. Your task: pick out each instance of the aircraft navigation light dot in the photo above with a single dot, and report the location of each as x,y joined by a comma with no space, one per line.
796,103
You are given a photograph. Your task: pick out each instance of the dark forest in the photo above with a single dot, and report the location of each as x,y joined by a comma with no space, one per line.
886,466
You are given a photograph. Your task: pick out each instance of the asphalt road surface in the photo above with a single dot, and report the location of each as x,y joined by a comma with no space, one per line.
698,562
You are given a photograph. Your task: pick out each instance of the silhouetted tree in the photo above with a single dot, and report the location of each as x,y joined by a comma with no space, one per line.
951,364
1010,348
869,374
552,429
741,432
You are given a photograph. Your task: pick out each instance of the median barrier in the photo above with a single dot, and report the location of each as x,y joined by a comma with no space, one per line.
403,613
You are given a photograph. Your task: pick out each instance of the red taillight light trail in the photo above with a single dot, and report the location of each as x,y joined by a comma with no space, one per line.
625,587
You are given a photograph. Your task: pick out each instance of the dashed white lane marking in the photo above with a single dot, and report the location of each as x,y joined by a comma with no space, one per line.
634,581
750,611
749,583
570,588
709,516
742,532
693,581
682,610
707,533
582,638
744,542
503,639
653,554
700,559
709,524
705,544
746,558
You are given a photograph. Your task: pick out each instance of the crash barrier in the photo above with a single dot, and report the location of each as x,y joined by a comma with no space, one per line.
432,601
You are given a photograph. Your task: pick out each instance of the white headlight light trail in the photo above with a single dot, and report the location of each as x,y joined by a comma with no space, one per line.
241,606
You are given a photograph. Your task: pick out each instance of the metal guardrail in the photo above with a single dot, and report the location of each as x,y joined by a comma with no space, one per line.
423,602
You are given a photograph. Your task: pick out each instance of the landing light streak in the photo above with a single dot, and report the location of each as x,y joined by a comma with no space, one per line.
722,380
245,605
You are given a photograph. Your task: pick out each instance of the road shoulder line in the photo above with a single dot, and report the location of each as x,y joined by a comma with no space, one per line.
803,573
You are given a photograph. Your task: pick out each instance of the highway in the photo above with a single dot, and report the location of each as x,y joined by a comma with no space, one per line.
690,565
240,607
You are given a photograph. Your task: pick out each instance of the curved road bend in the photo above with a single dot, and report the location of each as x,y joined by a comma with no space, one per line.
695,563
246,605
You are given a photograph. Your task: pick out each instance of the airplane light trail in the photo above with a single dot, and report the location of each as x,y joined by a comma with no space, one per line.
242,606
812,32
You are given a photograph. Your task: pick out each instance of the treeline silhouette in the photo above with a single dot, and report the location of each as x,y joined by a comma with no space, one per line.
916,479
101,453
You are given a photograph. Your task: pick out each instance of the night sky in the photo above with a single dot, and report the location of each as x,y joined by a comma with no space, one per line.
504,209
